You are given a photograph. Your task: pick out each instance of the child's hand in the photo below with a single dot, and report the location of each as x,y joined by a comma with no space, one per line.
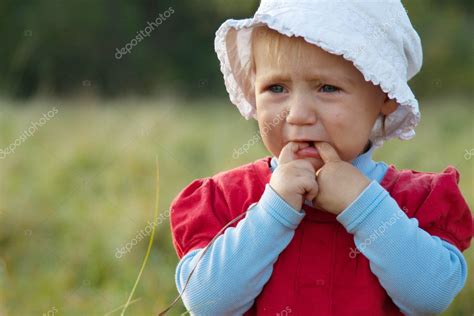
294,179
339,182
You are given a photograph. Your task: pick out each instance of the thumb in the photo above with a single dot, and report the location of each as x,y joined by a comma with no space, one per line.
327,152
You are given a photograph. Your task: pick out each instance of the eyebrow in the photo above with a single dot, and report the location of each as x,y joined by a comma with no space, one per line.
276,76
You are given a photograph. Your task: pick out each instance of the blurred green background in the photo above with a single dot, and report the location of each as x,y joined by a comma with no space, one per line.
83,184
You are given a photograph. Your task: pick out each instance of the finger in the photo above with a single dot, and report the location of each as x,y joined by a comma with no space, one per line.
312,193
327,152
288,152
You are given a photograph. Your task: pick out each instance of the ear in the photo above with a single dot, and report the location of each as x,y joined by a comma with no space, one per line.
388,106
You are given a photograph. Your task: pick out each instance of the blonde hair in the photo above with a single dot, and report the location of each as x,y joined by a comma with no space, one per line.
276,45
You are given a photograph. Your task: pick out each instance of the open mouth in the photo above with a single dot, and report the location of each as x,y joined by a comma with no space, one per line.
307,143
309,151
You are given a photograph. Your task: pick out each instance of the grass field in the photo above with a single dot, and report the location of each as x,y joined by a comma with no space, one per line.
83,185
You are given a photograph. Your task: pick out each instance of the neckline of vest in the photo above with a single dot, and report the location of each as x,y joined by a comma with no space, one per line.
263,171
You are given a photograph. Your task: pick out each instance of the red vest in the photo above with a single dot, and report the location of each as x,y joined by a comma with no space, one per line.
317,274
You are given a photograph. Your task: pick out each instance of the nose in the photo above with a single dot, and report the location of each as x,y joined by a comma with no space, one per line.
302,109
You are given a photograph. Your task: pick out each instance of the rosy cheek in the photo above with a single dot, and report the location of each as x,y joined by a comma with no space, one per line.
337,122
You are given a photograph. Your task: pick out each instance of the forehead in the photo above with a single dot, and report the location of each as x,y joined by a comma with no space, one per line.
279,55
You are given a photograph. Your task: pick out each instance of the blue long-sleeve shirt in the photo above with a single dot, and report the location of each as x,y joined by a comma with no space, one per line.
404,258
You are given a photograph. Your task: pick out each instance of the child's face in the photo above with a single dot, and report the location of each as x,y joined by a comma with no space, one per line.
324,98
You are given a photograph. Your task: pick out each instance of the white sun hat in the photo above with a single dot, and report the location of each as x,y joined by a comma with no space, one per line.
376,36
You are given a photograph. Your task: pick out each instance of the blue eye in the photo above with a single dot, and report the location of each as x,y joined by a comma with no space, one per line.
276,88
328,88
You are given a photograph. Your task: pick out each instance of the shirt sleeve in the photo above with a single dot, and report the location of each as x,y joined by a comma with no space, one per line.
420,272
234,269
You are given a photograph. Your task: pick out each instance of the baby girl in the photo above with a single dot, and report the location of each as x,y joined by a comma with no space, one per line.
318,227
